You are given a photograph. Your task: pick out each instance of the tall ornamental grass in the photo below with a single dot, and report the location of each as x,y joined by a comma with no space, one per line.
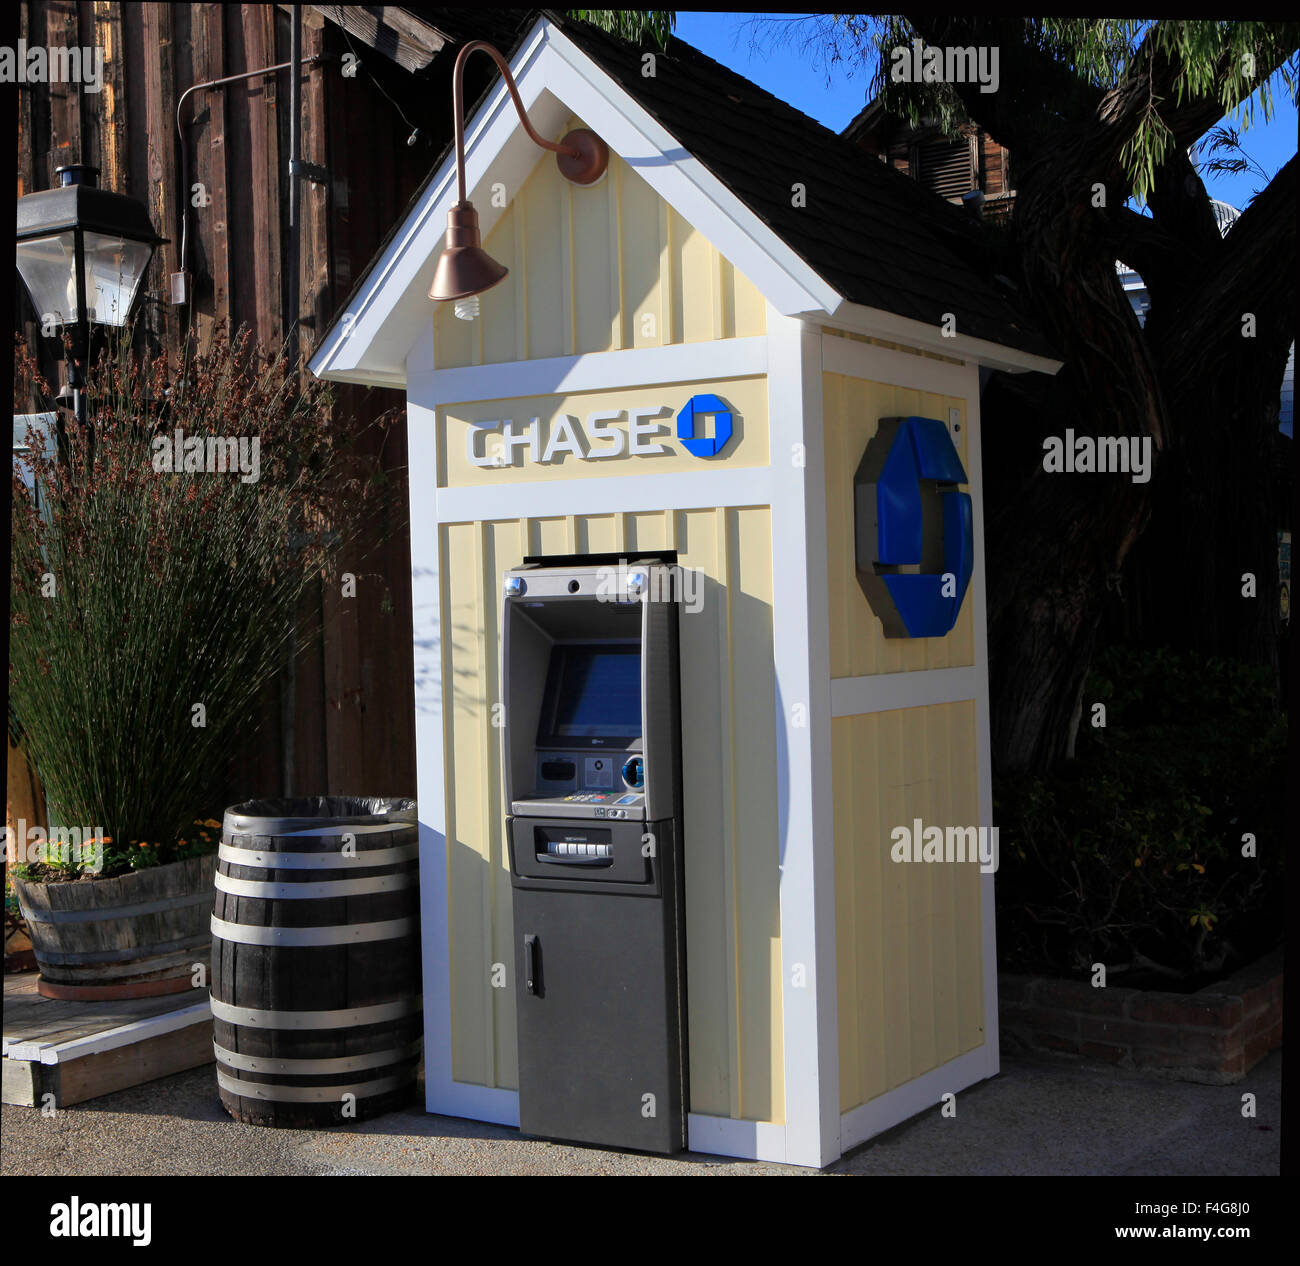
151,605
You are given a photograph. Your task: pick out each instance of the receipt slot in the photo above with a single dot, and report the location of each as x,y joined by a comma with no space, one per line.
592,757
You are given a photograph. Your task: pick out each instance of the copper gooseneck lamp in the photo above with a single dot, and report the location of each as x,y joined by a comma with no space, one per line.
465,269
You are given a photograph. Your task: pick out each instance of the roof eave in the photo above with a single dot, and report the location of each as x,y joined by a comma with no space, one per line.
856,318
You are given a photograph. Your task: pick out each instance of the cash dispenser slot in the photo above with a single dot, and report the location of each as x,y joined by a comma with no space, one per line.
547,852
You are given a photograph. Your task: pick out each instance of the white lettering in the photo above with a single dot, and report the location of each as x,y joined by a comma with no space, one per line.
566,437
610,433
480,428
637,429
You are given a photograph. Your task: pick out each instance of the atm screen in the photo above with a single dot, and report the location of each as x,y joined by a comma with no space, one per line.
592,691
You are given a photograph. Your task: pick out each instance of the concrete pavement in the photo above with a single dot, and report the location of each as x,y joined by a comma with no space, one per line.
1036,1118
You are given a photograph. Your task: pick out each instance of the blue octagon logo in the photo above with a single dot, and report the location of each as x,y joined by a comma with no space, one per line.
699,407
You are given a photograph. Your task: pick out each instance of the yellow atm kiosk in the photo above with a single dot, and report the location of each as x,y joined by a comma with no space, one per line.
683,372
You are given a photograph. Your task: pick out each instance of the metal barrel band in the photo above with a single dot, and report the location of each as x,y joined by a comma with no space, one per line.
116,912
343,1064
130,954
307,826
349,1017
321,891
316,861
311,1094
346,934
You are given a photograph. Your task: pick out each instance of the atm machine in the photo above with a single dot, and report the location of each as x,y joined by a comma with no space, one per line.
592,761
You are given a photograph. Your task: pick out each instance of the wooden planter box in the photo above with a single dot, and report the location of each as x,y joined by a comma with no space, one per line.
132,936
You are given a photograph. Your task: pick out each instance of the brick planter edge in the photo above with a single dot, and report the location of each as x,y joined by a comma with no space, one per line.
1215,1036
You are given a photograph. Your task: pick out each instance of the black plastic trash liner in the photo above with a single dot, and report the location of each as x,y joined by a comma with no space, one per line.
316,996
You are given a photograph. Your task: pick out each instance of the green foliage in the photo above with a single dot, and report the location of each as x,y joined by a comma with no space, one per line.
634,25
139,592
1131,856
1223,61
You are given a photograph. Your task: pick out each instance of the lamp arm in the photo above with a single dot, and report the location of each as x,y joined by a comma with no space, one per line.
458,109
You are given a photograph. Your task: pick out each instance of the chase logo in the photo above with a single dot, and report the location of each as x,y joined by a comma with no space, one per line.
689,426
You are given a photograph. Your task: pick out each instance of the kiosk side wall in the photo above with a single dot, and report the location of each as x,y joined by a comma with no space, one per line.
907,740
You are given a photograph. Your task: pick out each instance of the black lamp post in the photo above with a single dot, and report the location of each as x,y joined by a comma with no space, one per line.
82,253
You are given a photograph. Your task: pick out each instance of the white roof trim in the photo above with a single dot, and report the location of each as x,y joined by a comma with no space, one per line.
368,343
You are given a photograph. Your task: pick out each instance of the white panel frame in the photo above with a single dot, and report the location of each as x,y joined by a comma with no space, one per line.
801,648
597,371
884,692
631,494
983,731
442,1092
726,1136
888,1110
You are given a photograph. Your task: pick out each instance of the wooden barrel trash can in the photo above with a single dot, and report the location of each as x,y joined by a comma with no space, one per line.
316,999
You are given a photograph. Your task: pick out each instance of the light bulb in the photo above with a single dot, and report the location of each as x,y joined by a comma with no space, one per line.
466,309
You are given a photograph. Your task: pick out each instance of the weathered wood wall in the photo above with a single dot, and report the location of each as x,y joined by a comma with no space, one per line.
352,692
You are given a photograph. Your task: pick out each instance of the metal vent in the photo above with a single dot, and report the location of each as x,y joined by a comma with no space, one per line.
945,167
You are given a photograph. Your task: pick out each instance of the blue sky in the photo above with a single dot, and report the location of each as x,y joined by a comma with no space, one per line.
785,71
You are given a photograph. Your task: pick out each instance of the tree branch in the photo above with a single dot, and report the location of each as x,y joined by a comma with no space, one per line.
1253,272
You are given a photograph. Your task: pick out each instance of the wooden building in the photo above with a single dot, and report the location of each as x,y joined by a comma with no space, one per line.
951,166
375,113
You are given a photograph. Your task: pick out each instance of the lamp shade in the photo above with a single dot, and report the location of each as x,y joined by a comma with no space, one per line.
81,233
464,267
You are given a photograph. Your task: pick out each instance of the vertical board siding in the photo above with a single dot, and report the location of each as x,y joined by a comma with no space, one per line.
728,726
908,935
628,272
853,408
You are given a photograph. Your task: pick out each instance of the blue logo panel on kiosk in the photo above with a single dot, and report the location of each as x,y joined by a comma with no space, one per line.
915,529
593,787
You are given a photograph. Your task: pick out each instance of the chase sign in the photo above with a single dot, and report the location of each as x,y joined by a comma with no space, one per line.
638,431
914,528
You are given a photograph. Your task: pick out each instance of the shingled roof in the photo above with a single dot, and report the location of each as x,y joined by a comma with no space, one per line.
872,233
